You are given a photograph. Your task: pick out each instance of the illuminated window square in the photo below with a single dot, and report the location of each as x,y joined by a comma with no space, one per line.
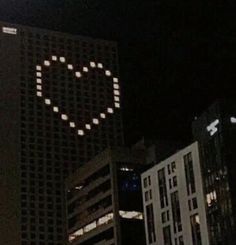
78,74
117,105
55,109
92,64
39,87
116,98
47,101
39,94
47,63
100,65
116,86
80,132
39,80
108,73
115,80
70,67
64,117
88,126
39,68
95,121
54,58
103,115
110,110
116,92
39,74
72,124
85,69
62,59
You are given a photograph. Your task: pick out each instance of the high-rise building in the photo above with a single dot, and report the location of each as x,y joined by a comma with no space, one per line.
173,200
104,202
60,106
215,131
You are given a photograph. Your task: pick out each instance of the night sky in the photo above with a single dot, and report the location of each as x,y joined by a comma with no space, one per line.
176,57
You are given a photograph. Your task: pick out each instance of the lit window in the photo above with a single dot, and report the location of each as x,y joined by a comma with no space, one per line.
131,215
39,80
116,92
39,74
100,65
47,63
233,120
39,87
54,58
212,129
78,74
80,132
117,105
116,98
70,67
39,68
103,115
88,126
116,86
64,117
90,227
92,64
9,30
47,101
62,59
95,121
72,124
39,94
126,169
108,73
115,80
55,109
85,69
110,110
78,188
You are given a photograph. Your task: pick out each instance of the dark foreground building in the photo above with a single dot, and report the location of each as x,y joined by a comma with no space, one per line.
60,100
215,131
105,200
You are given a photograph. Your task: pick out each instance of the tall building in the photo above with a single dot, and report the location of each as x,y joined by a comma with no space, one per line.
60,106
104,202
173,200
215,130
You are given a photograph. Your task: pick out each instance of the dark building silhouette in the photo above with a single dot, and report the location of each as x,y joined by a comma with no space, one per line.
60,106
215,131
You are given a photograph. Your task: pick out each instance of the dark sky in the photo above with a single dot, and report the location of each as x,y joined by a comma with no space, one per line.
176,57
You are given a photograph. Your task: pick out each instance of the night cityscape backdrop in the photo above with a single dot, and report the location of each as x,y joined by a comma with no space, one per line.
176,57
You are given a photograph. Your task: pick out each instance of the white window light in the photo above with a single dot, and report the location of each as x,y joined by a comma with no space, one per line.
110,110
95,121
39,94
47,101
131,215
78,188
88,126
103,115
233,119
85,69
78,74
64,117
70,67
117,105
90,227
9,30
108,73
62,59
116,98
92,64
116,86
47,63
115,80
116,92
126,169
80,132
72,124
39,74
54,58
39,68
55,109
212,129
100,65
39,80
39,87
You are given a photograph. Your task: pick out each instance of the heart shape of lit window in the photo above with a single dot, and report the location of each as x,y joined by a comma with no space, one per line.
78,74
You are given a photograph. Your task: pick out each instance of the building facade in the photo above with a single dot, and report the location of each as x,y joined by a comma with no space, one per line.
104,201
60,106
173,201
215,131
